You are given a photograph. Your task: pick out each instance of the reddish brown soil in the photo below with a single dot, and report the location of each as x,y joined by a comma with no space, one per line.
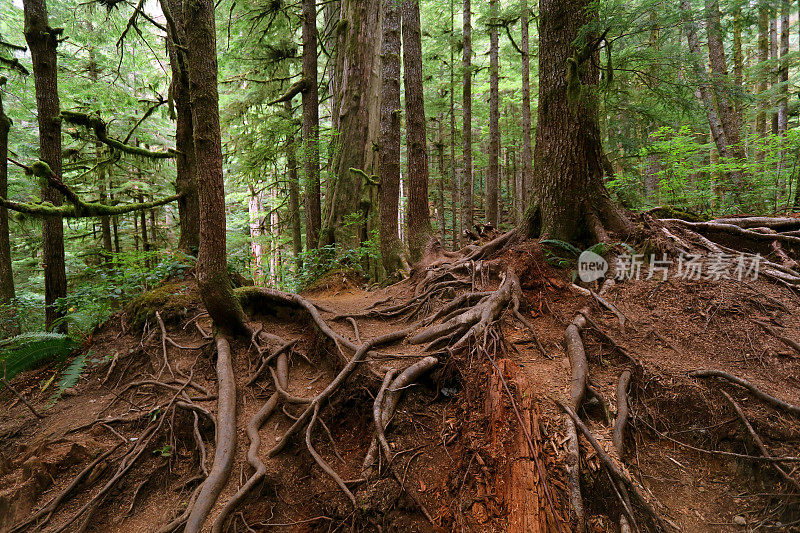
439,432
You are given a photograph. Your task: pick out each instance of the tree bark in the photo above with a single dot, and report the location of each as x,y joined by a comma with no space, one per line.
105,221
569,196
493,175
313,209
294,195
467,207
527,155
738,65
762,102
6,274
783,70
727,112
212,268
186,166
773,71
42,41
455,188
419,223
390,137
355,117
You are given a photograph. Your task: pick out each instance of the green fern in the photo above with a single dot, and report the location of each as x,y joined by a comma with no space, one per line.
563,245
70,376
29,349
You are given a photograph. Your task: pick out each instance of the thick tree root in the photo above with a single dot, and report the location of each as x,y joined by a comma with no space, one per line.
618,435
225,441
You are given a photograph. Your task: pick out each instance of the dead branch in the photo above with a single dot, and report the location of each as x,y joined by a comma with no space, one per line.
775,402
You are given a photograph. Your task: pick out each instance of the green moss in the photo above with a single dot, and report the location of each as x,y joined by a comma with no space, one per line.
172,300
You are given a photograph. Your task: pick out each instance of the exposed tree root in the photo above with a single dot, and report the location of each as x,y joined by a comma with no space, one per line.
775,402
225,440
618,435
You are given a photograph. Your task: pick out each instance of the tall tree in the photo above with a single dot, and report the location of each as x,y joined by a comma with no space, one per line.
294,191
527,155
568,194
493,175
186,166
419,223
455,189
390,136
311,124
467,208
212,267
720,83
42,41
355,117
783,70
773,71
6,274
762,100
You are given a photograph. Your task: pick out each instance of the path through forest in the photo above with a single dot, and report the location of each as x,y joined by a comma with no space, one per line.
458,449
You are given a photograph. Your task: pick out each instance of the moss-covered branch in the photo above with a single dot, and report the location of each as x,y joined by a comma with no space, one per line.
95,123
88,209
296,88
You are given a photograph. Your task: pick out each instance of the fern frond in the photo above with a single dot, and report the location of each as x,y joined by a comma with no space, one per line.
29,349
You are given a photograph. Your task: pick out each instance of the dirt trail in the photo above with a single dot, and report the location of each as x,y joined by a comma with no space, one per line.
457,449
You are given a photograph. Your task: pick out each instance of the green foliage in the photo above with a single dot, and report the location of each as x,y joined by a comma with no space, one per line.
27,350
318,262
70,376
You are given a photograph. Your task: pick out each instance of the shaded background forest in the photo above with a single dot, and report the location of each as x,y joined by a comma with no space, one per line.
672,72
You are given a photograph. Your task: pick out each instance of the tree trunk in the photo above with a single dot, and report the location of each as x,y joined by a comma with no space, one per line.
738,65
311,124
42,41
212,268
569,197
105,221
6,275
419,222
454,185
762,101
440,218
294,195
356,118
390,137
493,175
254,209
467,207
186,166
726,109
773,71
527,156
783,71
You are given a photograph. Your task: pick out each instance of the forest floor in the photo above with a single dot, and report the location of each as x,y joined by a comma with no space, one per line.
115,454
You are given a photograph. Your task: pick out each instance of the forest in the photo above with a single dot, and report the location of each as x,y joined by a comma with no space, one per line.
399,265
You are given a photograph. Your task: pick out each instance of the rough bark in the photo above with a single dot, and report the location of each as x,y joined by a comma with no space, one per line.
783,70
721,87
455,187
390,137
105,221
6,274
42,41
773,71
527,156
738,65
294,195
313,209
186,166
569,196
493,174
212,269
467,208
419,223
355,117
763,55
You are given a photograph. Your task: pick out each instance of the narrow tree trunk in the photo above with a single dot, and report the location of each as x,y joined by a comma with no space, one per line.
6,274
419,222
212,267
311,124
42,41
773,71
390,137
455,188
493,176
738,65
467,208
440,218
569,197
254,210
762,101
105,221
527,156
721,86
294,196
783,71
